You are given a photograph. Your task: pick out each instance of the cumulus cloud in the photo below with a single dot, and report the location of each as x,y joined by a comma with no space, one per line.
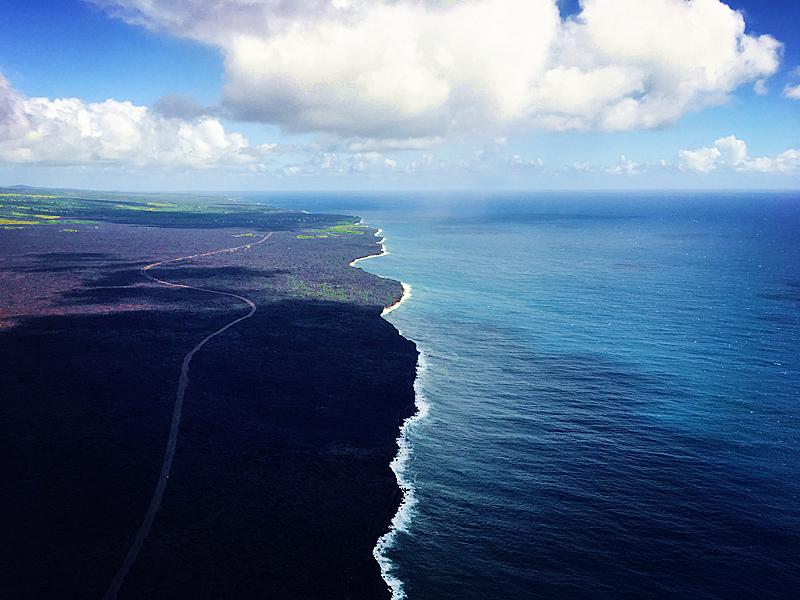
373,163
702,160
429,164
733,151
625,165
332,164
435,70
72,132
731,154
517,162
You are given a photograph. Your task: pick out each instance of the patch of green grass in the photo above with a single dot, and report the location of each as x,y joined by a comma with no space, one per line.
327,291
351,229
16,222
335,231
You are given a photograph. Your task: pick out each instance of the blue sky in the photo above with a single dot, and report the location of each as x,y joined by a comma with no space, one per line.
431,94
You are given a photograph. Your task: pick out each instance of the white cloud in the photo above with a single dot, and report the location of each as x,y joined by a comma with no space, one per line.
440,70
517,162
400,71
702,160
792,92
373,163
72,132
785,162
429,163
760,87
731,154
734,152
331,164
208,20
624,165
390,144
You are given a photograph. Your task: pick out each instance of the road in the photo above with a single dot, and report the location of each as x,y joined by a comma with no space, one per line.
169,454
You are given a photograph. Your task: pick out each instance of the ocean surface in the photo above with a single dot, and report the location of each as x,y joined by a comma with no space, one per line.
609,391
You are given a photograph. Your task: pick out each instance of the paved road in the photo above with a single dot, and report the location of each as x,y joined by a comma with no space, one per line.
116,583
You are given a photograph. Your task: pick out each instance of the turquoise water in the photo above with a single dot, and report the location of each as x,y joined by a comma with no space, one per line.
611,391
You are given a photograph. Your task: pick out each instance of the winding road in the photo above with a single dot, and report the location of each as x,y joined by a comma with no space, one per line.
169,454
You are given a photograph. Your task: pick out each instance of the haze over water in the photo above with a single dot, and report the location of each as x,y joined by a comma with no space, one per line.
613,394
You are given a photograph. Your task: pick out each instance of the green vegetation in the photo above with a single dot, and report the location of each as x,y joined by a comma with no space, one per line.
23,207
334,231
351,229
327,291
4,221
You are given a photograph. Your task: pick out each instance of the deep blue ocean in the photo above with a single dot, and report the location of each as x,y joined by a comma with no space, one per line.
610,393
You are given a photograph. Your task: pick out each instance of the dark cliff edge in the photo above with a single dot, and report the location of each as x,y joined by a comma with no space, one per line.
281,482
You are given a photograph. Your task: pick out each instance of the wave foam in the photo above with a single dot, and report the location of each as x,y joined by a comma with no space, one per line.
405,512
406,295
383,249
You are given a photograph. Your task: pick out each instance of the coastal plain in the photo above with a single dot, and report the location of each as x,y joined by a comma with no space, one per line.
281,482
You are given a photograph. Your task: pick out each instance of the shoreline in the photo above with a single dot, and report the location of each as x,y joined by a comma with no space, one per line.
406,295
406,287
378,233
383,251
404,512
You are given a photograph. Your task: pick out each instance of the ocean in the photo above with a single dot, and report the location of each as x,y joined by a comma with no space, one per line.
609,393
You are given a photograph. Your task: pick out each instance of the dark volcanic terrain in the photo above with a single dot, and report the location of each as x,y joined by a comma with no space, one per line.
281,482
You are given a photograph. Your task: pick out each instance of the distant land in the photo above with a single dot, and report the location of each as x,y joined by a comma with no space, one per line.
280,484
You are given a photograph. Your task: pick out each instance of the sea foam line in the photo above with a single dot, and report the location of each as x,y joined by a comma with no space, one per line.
405,511
406,288
383,251
406,295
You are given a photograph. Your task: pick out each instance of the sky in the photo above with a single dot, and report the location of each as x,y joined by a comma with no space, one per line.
251,95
